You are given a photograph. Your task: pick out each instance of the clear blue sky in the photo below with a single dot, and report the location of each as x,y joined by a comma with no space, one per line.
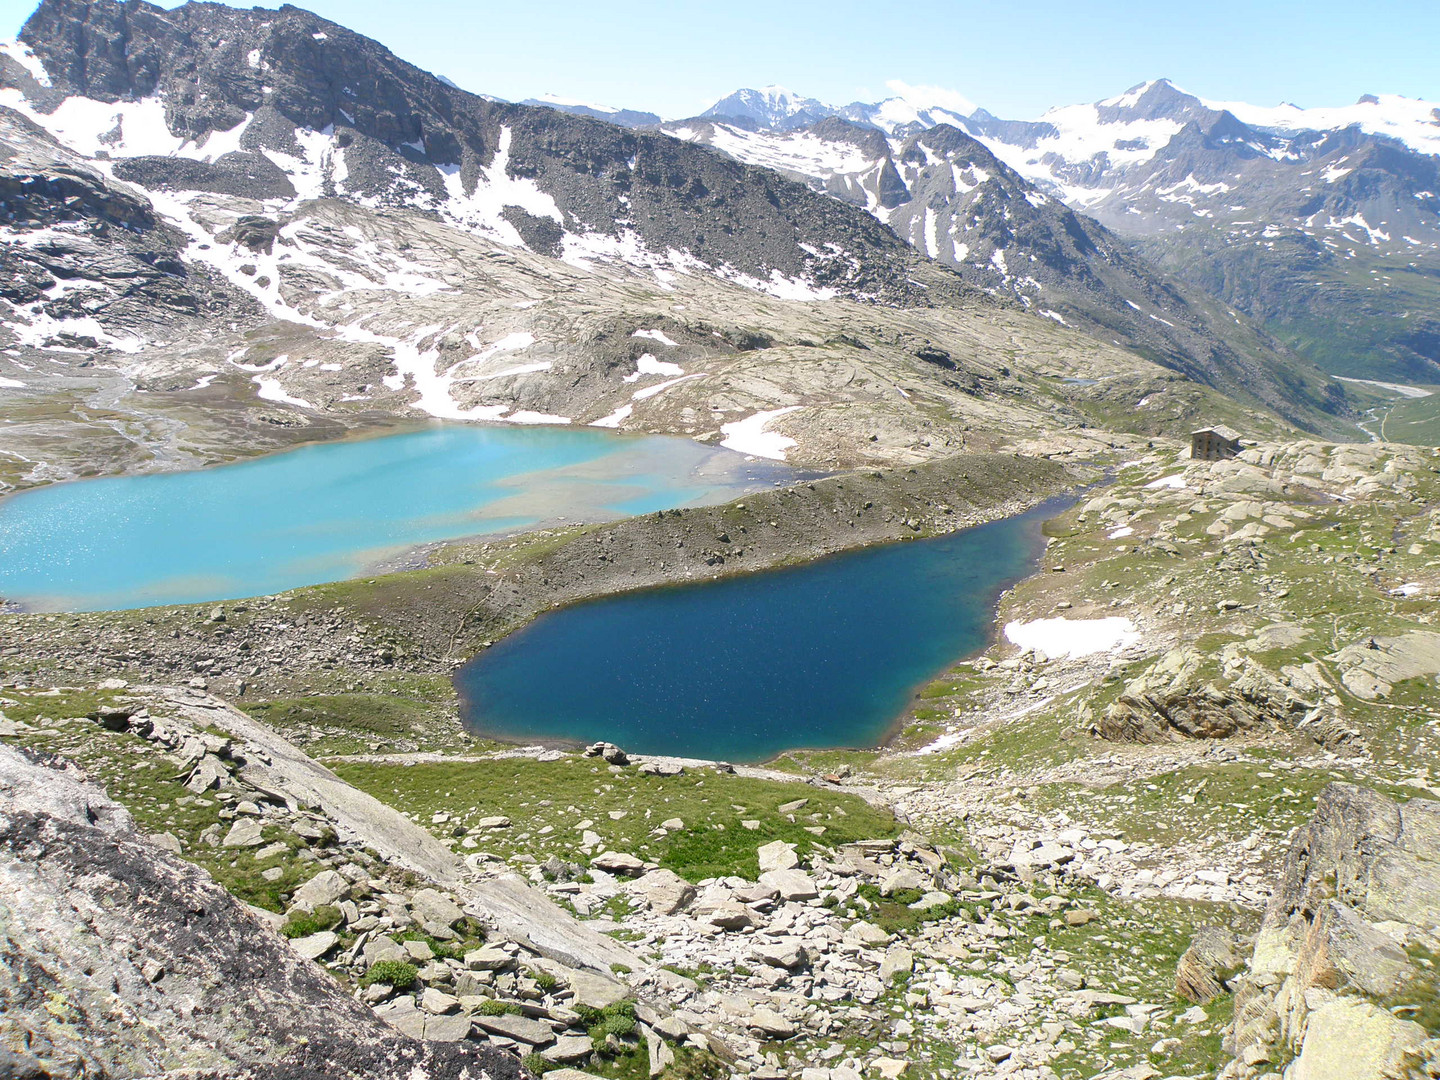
1014,59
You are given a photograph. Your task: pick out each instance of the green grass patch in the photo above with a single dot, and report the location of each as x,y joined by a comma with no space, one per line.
396,973
549,802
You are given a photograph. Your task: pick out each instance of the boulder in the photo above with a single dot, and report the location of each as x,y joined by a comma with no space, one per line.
791,884
1207,966
905,878
315,945
431,907
488,960
324,889
383,947
1360,879
1041,857
866,934
785,953
898,961
437,1002
728,915
1346,1039
402,1015
1172,699
620,863
568,1048
665,891
595,991
244,833
777,855
520,1028
451,1028
770,1023
608,752
193,981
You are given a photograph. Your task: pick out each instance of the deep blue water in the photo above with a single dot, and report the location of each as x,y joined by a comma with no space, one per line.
334,510
822,655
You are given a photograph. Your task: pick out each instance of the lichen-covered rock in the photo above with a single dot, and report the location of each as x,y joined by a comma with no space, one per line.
1355,1040
117,960
1360,891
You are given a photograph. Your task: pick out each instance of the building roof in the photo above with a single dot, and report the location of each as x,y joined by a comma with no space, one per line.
1221,430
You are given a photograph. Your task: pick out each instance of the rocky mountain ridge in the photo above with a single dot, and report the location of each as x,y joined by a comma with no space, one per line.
1291,215
206,97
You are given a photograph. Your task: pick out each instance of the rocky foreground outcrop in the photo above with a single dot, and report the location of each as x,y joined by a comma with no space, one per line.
1342,982
118,959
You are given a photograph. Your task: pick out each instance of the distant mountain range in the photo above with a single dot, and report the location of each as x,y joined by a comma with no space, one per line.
1323,224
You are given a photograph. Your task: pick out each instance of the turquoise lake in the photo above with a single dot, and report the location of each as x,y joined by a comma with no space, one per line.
331,511
822,655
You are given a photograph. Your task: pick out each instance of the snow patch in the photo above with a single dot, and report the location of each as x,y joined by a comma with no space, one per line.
648,365
524,416
1397,388
22,55
271,390
1073,638
651,391
656,335
749,436
481,210
1176,482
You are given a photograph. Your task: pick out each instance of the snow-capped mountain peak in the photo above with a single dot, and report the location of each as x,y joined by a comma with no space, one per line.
1147,97
770,107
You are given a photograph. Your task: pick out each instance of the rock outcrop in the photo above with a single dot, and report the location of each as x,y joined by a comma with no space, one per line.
1342,982
1173,698
118,959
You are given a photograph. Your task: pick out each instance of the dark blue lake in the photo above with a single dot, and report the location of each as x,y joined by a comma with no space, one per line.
822,655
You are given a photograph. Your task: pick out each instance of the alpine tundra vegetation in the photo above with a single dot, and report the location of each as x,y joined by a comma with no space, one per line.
297,343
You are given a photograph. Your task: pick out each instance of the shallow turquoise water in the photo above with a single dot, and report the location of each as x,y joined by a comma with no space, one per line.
333,510
822,655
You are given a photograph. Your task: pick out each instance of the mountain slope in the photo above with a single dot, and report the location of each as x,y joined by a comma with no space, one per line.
202,92
631,118
948,196
911,109
1322,224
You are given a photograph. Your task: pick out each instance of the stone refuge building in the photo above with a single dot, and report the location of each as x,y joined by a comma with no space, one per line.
1214,443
